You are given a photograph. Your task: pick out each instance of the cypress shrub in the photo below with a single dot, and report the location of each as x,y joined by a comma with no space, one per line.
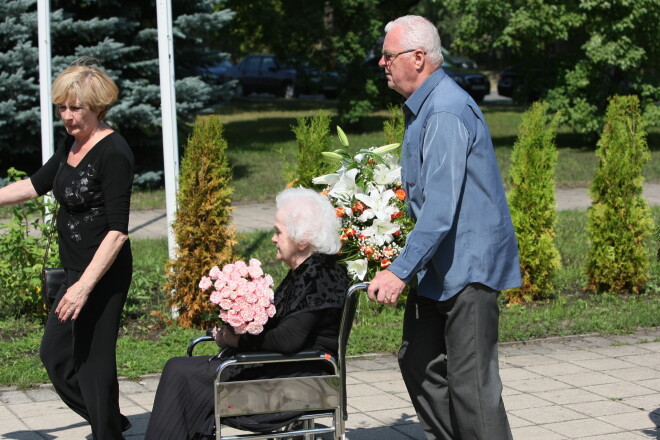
532,204
393,128
201,227
619,219
313,138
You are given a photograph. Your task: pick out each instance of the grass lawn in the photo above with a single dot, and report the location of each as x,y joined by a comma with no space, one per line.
260,138
148,337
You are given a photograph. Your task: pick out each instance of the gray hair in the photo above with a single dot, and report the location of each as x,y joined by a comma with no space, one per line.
310,218
419,33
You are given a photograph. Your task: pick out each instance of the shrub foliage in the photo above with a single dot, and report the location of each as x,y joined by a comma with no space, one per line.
393,128
22,248
201,227
532,204
313,138
619,219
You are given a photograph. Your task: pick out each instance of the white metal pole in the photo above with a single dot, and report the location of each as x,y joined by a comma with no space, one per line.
43,30
168,114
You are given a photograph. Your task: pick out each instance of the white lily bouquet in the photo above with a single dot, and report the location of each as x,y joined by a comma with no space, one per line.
367,195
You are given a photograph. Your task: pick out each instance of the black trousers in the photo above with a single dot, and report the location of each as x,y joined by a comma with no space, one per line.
80,356
449,363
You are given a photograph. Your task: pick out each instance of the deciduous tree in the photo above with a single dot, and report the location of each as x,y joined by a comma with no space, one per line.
576,54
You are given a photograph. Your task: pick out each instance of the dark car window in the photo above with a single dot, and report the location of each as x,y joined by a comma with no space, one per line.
268,64
252,65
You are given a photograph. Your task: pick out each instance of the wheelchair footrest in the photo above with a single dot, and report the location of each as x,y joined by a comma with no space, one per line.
298,432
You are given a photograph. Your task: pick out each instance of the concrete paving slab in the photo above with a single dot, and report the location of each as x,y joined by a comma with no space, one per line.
580,428
536,433
568,396
546,405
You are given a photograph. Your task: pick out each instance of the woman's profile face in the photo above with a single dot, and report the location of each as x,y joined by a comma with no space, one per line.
78,118
287,249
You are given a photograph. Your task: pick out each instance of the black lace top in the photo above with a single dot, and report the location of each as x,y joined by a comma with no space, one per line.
94,196
308,306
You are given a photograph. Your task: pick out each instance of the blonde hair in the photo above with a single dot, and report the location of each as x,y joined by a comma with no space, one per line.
84,81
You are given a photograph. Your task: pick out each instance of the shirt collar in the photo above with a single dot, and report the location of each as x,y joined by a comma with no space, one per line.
415,101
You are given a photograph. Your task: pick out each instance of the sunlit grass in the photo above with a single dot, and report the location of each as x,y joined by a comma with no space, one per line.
260,139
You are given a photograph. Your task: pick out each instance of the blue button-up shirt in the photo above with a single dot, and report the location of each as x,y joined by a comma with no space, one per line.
463,232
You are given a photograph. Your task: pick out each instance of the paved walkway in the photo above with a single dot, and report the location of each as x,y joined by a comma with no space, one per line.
590,387
252,216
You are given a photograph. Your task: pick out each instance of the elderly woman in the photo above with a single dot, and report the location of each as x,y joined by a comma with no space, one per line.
91,176
308,309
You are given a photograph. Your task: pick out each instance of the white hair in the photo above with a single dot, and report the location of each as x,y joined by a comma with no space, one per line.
419,33
310,218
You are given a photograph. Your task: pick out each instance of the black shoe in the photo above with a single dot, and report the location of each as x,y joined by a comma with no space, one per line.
125,423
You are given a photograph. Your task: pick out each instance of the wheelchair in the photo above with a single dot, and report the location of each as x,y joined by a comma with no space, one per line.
315,396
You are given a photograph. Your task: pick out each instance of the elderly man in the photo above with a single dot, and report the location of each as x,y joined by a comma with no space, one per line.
462,249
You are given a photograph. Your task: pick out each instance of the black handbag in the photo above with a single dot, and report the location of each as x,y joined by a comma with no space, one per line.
51,278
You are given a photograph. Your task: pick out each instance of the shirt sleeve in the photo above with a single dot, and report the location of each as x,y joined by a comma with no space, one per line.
116,184
42,180
442,177
289,336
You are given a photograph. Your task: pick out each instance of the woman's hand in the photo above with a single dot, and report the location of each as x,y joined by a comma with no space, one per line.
76,296
225,337
72,302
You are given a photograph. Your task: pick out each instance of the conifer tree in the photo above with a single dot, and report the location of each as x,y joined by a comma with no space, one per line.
313,138
123,37
393,128
619,220
201,228
532,204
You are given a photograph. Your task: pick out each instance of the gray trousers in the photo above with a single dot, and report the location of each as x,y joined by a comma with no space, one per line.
449,363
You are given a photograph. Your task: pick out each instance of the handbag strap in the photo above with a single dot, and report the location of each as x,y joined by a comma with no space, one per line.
51,232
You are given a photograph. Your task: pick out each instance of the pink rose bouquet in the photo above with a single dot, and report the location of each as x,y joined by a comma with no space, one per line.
244,294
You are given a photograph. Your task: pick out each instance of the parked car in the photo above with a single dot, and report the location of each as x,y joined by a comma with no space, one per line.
216,72
262,74
265,73
475,83
507,83
512,84
458,61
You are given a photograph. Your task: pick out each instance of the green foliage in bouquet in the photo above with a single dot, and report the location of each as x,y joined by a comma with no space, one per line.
619,220
202,224
313,138
22,248
532,204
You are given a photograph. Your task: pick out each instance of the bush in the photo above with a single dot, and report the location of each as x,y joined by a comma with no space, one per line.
149,180
22,246
201,226
532,204
313,138
619,219
394,126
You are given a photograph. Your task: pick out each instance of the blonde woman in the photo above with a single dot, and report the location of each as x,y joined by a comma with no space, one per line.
91,175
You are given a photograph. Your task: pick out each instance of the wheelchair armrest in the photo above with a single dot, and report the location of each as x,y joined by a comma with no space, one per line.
262,356
196,341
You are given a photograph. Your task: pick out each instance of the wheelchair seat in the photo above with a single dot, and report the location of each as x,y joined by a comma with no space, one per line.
315,397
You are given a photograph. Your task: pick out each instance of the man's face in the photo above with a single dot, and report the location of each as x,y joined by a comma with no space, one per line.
398,63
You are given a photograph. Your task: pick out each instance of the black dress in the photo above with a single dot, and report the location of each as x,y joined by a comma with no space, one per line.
308,310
